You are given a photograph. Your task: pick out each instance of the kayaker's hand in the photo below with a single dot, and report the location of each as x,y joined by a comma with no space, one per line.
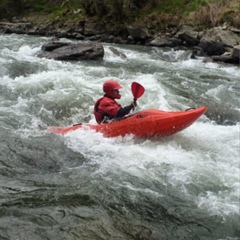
134,103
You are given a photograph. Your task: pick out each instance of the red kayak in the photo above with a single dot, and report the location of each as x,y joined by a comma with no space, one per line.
145,124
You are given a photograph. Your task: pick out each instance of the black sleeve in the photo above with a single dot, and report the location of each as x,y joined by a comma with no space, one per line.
125,110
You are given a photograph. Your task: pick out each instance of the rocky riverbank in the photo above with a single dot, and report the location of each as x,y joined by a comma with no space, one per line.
220,44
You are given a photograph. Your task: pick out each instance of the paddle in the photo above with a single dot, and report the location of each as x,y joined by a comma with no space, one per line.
137,90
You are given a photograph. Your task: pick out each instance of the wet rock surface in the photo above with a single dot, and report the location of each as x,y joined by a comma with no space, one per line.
221,44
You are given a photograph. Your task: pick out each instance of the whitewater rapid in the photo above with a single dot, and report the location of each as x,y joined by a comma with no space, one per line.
85,186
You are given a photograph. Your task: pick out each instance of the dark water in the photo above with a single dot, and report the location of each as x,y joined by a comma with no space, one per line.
85,186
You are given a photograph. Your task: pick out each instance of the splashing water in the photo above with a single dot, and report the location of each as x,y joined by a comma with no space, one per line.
85,186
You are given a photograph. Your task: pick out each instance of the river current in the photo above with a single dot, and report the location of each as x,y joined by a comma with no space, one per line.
85,186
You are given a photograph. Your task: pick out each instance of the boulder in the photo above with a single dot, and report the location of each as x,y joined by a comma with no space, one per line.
217,41
18,28
117,53
93,28
236,53
228,57
138,33
80,51
163,41
53,45
187,35
223,58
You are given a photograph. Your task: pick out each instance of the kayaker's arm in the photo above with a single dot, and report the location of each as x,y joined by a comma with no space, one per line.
125,110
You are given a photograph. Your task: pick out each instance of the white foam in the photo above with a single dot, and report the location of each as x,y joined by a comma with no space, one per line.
205,155
202,162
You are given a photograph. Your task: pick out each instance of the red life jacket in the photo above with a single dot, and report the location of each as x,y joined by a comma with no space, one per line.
105,107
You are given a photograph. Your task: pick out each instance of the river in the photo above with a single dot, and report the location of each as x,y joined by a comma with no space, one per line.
85,186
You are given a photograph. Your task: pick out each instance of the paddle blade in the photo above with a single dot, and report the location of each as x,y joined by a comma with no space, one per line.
137,90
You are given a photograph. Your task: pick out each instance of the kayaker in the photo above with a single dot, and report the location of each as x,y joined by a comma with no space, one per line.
106,108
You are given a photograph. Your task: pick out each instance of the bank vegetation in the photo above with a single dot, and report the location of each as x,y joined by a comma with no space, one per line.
157,14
